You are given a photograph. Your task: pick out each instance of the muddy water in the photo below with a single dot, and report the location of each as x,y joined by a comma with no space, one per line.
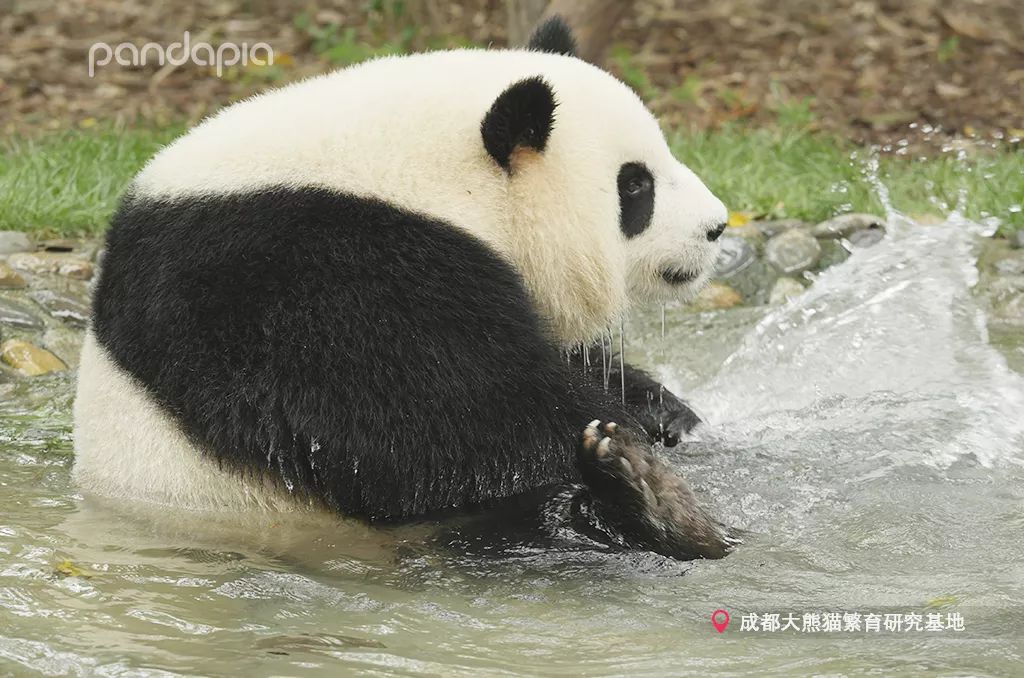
868,438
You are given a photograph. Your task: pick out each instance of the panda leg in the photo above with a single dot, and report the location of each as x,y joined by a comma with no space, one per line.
643,499
664,416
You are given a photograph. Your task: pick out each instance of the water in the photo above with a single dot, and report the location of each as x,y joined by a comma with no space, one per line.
867,438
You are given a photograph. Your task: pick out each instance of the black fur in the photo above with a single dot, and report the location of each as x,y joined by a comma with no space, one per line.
554,36
664,416
383,363
521,117
636,198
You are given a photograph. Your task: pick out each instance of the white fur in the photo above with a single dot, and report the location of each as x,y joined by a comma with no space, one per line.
407,130
126,447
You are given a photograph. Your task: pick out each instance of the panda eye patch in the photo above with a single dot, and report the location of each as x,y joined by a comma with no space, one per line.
636,198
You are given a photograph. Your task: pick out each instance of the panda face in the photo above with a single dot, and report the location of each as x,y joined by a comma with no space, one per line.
602,215
671,223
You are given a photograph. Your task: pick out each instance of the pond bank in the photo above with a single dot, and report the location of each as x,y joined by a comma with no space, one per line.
45,285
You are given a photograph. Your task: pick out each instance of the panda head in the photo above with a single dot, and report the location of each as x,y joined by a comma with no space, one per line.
587,165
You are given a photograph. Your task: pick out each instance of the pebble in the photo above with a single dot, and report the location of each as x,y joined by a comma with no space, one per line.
846,225
1007,298
716,296
65,343
734,255
18,315
785,289
70,265
1011,265
14,241
10,279
29,359
866,237
793,251
832,253
749,232
63,306
774,227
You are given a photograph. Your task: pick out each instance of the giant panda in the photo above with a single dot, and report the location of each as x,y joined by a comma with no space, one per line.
357,294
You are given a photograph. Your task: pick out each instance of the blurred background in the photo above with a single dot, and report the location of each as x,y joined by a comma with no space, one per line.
776,104
864,69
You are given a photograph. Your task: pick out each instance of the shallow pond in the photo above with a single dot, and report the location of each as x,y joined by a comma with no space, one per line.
867,437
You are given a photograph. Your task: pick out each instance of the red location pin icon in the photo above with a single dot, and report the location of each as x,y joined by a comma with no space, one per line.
720,620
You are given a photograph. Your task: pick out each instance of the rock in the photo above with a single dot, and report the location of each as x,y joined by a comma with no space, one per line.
749,232
1018,239
59,245
28,359
14,241
832,253
10,279
866,237
1006,295
63,306
846,225
18,315
1012,264
785,289
734,255
66,343
716,296
793,251
774,227
70,265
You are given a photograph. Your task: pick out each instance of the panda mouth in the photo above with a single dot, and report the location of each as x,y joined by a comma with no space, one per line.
675,277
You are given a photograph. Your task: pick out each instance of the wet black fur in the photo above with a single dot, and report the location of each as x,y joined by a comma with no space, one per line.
662,414
521,117
382,362
554,36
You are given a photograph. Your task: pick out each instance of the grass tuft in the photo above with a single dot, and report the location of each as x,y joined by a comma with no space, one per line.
68,183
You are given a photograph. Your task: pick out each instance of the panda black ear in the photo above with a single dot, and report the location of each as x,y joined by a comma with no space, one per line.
520,118
554,36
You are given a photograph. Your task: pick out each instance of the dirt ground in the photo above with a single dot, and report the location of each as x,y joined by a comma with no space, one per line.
864,69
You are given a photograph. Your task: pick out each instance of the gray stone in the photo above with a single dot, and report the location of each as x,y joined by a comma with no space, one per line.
1006,294
10,279
774,227
793,251
832,253
70,265
785,289
65,343
1012,264
16,314
63,306
846,225
14,241
866,237
1018,239
735,255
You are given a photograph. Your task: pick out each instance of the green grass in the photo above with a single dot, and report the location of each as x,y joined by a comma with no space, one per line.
789,173
68,183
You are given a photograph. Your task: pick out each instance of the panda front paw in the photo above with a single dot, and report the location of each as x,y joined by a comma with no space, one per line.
667,418
643,498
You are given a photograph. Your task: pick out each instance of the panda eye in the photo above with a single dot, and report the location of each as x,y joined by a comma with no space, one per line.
637,185
636,198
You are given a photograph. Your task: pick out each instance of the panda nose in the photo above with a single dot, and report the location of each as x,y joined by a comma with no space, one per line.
716,231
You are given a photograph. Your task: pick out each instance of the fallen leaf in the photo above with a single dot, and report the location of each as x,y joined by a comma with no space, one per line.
68,569
739,218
